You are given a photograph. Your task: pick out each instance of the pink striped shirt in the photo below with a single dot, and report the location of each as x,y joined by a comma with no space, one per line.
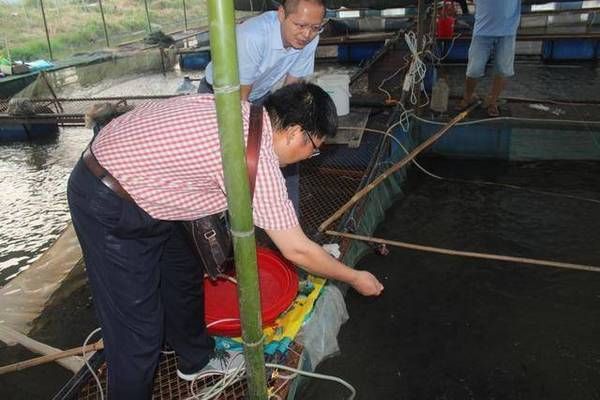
166,155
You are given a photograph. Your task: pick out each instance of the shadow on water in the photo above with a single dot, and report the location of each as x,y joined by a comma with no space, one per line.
454,328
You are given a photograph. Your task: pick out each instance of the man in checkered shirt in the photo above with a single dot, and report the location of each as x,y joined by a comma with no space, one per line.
161,163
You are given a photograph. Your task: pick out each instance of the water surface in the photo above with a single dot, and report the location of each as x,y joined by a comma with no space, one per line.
449,327
33,177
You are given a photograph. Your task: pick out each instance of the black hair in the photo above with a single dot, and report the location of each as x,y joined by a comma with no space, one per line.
290,6
303,104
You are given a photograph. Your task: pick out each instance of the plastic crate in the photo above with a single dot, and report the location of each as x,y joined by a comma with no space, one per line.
357,52
570,49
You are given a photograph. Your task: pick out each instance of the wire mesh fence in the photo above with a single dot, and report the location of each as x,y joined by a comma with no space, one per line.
167,385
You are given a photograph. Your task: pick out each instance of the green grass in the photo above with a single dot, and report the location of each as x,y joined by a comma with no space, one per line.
76,26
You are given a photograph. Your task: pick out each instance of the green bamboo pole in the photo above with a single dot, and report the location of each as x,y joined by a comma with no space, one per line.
226,85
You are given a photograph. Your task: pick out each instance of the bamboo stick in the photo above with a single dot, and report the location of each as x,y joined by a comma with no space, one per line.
11,336
487,256
361,193
99,345
226,85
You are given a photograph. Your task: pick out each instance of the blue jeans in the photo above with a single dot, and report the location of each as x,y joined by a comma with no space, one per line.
146,284
482,48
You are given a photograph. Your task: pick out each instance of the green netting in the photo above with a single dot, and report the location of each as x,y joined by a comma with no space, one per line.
319,334
370,212
90,73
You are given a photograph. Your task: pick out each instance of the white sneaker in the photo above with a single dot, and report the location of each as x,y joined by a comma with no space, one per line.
221,362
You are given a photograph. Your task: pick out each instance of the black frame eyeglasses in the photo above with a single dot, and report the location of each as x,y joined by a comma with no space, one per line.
313,29
316,150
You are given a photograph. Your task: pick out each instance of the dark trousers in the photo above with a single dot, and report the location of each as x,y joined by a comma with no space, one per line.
291,173
463,6
146,284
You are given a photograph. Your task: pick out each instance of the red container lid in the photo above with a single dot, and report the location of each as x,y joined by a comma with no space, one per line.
278,283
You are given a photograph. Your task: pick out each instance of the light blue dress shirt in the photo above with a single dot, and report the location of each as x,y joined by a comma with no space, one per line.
262,59
497,17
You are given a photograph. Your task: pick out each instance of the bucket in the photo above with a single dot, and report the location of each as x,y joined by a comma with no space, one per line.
337,86
445,27
445,21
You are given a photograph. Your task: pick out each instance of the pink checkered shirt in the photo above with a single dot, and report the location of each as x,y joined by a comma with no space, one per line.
166,155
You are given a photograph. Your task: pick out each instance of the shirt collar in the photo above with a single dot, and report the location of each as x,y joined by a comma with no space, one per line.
277,40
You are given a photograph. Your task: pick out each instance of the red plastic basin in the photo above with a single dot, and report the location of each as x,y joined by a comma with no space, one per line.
278,283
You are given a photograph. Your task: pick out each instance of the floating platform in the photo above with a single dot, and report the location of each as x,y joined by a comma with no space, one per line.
195,59
21,128
24,132
524,131
168,386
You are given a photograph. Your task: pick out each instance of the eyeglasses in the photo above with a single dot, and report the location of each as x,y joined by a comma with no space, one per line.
312,29
316,150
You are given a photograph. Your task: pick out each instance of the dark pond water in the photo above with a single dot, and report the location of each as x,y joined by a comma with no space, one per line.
454,328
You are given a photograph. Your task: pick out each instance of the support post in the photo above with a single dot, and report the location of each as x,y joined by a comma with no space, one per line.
185,21
46,29
104,23
421,18
148,16
226,85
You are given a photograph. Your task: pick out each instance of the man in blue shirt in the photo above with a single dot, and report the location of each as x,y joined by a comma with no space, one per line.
276,45
496,24
273,46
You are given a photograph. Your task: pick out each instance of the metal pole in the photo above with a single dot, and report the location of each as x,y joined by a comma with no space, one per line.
226,85
46,28
104,23
421,24
185,16
148,16
7,50
434,16
422,16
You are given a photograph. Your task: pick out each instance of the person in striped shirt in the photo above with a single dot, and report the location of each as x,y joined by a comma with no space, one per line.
161,163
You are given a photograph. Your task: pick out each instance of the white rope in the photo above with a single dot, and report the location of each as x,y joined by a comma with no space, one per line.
87,364
318,376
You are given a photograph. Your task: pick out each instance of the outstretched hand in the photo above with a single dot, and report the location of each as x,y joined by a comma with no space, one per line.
366,284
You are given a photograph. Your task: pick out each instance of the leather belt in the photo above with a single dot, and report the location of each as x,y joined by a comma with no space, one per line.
105,177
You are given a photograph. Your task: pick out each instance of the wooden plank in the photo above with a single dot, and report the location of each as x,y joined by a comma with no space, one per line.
357,118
